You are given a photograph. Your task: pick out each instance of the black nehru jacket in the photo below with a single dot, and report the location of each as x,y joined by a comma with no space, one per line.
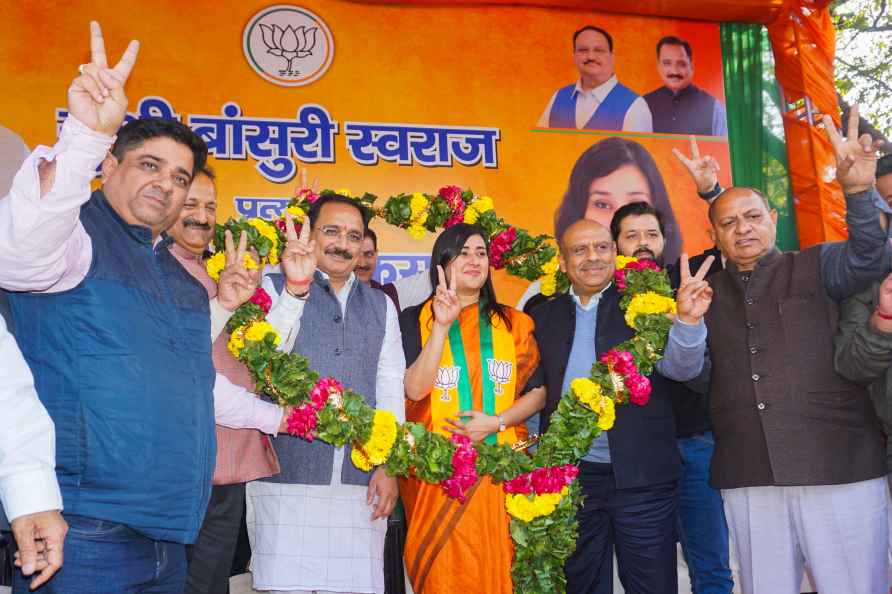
690,111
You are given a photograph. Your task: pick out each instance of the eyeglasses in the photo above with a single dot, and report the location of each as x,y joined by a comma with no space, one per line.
335,232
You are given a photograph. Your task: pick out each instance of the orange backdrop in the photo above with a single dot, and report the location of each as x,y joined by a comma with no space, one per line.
488,66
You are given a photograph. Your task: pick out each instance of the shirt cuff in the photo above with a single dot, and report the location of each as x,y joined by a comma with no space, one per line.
269,416
289,303
219,316
711,195
687,335
76,133
30,492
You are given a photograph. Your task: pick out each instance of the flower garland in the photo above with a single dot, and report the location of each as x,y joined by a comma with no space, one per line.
541,495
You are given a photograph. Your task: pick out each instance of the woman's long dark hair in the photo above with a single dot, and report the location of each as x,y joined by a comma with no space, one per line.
447,247
600,160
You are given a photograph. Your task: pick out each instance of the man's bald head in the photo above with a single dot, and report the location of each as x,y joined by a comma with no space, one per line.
588,257
583,226
731,193
745,225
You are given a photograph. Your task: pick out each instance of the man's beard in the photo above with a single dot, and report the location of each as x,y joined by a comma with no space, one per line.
644,253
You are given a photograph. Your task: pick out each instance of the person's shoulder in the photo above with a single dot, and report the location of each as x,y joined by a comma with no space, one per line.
541,307
625,90
655,94
518,318
411,314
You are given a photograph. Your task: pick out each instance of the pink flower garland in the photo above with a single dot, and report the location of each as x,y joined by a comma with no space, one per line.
307,194
261,299
452,196
302,420
623,363
501,245
619,276
464,469
550,479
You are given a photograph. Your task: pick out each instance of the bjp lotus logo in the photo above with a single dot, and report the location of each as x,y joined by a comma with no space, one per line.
499,372
288,45
447,379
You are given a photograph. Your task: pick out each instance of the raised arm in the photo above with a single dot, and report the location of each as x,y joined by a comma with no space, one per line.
683,358
43,247
851,266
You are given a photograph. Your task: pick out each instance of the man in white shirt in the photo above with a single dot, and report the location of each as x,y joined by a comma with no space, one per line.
319,526
597,101
28,488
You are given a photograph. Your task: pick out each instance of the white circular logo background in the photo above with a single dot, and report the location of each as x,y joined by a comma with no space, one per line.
288,45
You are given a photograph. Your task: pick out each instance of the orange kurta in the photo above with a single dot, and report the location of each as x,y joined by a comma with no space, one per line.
455,547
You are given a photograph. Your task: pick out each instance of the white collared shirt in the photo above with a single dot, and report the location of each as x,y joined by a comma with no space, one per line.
638,117
592,301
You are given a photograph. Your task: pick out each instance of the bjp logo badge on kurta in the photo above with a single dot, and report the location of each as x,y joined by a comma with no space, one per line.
499,373
288,45
447,379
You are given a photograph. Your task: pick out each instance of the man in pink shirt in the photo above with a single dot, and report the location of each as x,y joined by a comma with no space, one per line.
243,454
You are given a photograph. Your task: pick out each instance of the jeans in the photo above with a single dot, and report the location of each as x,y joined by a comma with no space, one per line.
701,519
107,558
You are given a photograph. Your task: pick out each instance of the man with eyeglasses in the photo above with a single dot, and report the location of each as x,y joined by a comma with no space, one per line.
319,526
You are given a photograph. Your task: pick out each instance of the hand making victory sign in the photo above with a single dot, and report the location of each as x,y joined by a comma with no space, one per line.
856,157
236,284
445,304
96,97
694,293
704,169
299,257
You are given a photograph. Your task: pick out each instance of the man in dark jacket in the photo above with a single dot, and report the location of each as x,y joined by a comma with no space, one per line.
799,454
638,230
630,475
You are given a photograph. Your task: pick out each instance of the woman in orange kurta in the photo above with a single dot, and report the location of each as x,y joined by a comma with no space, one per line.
469,362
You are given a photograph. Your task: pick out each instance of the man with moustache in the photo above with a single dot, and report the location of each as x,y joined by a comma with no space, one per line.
638,230
630,475
597,101
679,106
798,448
367,261
320,525
116,333
244,452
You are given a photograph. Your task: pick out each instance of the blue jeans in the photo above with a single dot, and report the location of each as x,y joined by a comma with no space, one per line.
701,519
107,558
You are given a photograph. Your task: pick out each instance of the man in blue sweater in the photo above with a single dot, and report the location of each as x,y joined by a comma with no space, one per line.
117,334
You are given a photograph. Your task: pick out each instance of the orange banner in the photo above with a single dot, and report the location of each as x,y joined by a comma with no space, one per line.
377,98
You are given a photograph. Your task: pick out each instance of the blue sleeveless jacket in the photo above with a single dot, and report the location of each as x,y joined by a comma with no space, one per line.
345,346
122,363
609,115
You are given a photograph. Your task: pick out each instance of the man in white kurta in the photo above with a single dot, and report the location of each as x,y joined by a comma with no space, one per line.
316,528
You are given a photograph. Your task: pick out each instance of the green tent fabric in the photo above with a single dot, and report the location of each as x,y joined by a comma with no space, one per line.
755,128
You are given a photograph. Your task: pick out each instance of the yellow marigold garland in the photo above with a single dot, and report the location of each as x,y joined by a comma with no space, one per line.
648,303
529,507
376,450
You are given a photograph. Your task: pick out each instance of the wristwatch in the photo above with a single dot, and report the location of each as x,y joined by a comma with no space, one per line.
502,425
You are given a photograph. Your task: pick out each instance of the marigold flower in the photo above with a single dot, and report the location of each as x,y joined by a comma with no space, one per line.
215,265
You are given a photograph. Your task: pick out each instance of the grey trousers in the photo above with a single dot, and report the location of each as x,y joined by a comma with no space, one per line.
841,531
